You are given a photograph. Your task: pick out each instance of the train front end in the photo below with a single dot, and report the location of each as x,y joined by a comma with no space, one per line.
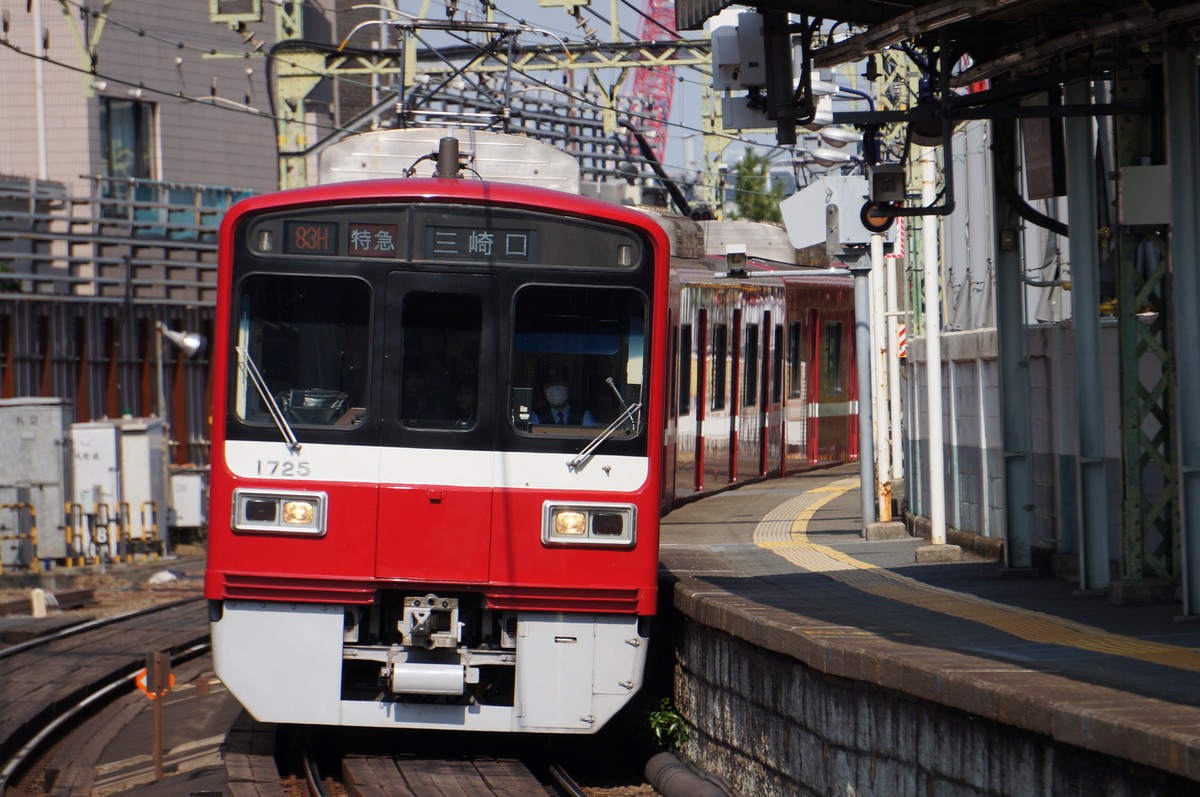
404,532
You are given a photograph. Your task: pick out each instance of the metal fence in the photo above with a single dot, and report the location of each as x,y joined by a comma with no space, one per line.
85,280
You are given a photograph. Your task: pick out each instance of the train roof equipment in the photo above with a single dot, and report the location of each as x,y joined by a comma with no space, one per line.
489,156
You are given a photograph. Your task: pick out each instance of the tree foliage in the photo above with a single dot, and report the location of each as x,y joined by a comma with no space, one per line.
752,199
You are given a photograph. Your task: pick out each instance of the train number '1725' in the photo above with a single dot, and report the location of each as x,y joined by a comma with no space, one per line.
286,470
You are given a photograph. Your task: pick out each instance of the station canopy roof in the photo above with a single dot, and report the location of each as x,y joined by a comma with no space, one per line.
1005,39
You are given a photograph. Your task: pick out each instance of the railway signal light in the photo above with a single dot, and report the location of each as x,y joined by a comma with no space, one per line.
875,217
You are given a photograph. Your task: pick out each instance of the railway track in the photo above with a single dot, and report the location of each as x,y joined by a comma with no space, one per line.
69,702
372,776
46,675
329,764
51,679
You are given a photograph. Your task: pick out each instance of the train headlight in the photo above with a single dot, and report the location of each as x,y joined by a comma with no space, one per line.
570,523
299,513
279,512
589,524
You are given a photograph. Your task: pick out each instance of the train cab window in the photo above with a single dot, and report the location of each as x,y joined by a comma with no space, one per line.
309,339
578,361
751,397
439,380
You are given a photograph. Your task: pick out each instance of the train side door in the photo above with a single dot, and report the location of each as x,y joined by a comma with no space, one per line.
435,499
764,409
813,390
701,393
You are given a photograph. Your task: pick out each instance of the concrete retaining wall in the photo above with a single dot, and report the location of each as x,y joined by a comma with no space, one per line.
775,726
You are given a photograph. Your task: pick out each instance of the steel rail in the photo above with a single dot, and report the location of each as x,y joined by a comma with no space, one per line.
88,626
312,775
567,783
18,759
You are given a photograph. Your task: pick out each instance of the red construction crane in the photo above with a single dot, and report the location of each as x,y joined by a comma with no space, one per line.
650,95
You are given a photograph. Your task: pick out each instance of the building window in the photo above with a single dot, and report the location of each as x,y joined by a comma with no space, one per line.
126,144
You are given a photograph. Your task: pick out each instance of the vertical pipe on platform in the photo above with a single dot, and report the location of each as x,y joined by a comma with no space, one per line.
879,393
933,348
1183,130
893,360
861,269
1089,390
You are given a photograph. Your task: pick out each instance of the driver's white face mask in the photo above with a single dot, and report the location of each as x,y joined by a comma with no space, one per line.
556,395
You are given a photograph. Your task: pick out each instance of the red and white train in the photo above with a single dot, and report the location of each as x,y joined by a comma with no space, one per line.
402,533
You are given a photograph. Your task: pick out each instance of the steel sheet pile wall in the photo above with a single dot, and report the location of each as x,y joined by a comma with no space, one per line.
84,280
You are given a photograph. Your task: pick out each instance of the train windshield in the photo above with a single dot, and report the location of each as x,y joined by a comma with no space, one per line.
578,360
308,339
443,334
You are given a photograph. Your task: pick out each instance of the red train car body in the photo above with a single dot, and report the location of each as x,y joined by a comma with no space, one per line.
402,532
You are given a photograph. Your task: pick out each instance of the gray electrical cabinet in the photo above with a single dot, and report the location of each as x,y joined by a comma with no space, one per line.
120,467
34,478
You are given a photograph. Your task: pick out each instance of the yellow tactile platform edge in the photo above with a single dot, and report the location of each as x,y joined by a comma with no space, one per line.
784,531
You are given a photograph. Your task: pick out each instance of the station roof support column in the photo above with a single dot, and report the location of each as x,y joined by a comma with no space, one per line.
1183,131
1014,370
1094,568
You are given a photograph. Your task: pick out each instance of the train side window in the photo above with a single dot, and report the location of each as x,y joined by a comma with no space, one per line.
795,355
439,383
777,367
720,354
673,379
310,338
685,369
751,365
831,357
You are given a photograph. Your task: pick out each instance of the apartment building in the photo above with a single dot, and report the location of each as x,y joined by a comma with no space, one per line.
127,127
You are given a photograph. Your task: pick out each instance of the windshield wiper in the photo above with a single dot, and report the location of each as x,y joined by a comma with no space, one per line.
621,399
260,384
584,455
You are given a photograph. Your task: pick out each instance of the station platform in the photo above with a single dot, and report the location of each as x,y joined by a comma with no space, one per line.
784,566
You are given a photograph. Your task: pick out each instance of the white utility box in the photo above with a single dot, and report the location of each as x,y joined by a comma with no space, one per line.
189,505
120,464
34,472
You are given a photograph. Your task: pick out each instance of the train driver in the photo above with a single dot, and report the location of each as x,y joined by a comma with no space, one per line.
557,409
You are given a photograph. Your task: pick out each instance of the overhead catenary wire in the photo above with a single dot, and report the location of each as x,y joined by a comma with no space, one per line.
228,104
